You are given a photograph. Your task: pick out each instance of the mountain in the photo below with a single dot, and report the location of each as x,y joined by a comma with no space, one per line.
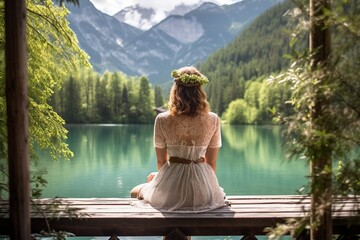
187,40
256,53
176,41
101,36
145,18
139,17
180,40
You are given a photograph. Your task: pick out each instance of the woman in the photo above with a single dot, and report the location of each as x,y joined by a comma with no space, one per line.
187,140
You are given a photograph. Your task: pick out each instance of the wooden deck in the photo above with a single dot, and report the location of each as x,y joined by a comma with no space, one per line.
247,214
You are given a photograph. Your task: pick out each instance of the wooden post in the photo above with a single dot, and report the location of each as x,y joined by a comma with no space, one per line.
321,186
17,118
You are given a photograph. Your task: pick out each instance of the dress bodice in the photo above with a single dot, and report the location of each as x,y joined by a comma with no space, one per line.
187,137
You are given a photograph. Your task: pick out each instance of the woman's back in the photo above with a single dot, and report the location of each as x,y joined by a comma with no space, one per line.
185,136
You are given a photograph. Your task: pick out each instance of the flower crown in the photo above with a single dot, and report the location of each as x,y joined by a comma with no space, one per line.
189,79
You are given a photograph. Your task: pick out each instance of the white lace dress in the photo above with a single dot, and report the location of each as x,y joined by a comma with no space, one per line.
185,187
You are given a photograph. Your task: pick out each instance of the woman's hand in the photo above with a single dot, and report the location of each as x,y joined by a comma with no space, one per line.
151,176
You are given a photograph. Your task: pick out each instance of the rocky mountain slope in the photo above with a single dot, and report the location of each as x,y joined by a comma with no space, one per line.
174,42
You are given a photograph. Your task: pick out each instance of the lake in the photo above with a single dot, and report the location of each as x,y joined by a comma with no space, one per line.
110,159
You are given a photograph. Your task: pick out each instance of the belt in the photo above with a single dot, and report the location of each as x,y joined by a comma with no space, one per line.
185,161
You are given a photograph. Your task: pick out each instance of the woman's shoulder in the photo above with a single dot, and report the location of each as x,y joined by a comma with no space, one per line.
163,115
213,115
209,117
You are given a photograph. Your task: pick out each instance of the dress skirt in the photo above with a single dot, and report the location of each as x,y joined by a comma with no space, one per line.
183,188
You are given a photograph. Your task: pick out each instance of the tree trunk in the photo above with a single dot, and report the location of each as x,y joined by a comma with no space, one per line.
321,187
17,118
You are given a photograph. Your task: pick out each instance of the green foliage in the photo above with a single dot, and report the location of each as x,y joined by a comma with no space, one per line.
145,102
260,100
159,100
239,112
188,79
309,134
111,98
325,123
53,51
72,101
115,96
258,51
38,182
348,177
336,88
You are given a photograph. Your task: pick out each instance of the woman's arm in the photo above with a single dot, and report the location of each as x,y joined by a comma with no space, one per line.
210,157
161,156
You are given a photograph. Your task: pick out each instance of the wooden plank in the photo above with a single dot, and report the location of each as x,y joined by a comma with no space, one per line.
117,216
106,201
270,208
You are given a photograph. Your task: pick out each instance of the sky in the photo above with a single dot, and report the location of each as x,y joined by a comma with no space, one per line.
111,7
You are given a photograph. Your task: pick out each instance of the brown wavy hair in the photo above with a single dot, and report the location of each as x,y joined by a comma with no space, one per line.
189,100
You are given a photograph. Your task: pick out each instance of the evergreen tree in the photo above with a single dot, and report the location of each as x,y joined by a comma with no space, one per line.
252,94
88,78
144,106
159,101
72,107
258,51
115,97
102,103
125,105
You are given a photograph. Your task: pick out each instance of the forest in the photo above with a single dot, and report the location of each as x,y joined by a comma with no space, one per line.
117,98
240,70
110,98
238,90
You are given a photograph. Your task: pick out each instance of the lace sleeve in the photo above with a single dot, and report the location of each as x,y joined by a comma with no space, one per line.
159,138
215,141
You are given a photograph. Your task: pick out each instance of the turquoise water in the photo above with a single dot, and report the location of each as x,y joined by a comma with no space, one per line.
110,159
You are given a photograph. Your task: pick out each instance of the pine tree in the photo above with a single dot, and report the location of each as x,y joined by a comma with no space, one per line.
125,105
72,107
102,103
159,101
144,106
115,97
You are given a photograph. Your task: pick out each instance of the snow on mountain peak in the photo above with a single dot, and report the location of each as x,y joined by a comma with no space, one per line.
182,29
139,17
146,17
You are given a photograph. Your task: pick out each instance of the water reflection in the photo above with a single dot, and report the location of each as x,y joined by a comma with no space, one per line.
108,161
111,159
252,162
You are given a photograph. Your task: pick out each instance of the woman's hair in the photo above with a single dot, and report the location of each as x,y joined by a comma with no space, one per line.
188,99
